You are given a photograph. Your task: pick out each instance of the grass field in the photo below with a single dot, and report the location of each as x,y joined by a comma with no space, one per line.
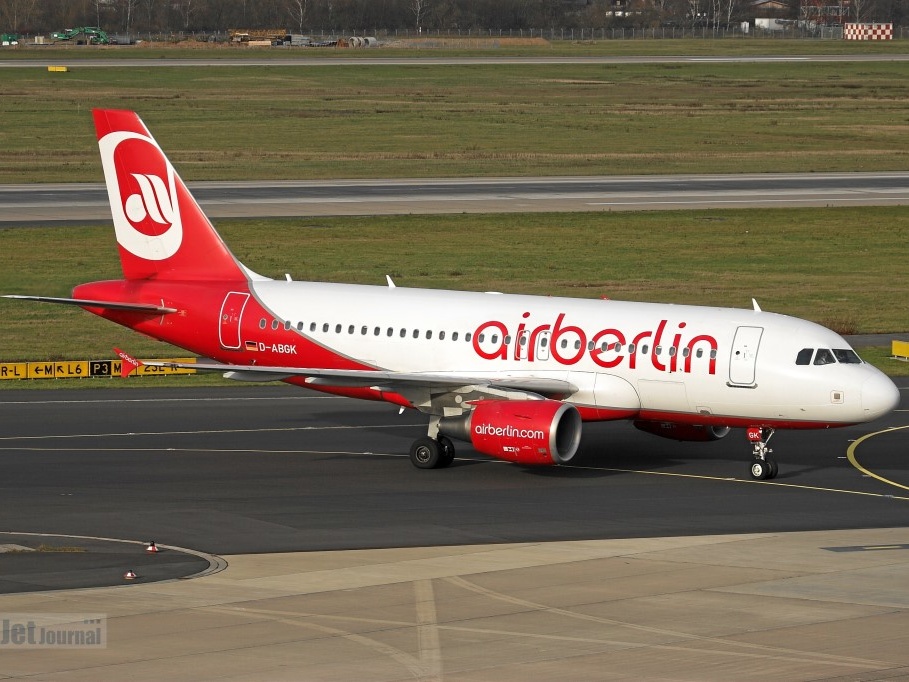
845,268
275,122
842,267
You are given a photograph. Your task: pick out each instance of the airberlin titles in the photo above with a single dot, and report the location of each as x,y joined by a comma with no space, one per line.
607,348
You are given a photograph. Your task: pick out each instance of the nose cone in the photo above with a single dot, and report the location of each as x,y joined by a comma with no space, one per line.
880,396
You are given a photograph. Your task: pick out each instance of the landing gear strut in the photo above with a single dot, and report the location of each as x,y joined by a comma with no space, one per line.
763,467
432,453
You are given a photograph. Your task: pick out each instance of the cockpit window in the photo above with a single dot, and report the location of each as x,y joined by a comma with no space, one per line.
847,356
824,357
804,356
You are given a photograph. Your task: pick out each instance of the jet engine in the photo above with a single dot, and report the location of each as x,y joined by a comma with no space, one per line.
521,431
692,432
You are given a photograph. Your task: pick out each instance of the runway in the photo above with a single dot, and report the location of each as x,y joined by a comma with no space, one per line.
645,558
87,202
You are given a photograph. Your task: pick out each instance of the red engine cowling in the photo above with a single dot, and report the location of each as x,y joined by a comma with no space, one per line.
522,431
692,432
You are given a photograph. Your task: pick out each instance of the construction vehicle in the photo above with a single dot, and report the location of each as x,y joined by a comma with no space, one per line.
90,35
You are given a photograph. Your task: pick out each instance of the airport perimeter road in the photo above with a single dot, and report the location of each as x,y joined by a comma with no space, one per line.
47,204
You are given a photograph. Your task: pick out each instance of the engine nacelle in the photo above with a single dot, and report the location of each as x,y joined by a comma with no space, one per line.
522,431
692,432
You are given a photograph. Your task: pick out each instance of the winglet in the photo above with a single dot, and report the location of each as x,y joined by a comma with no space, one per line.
129,363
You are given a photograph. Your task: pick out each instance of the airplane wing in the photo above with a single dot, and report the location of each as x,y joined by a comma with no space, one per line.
398,382
110,305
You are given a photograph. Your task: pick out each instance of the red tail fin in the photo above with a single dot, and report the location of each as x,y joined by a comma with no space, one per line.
161,230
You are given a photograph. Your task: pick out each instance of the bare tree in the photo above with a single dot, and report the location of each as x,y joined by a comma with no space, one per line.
419,9
16,14
297,11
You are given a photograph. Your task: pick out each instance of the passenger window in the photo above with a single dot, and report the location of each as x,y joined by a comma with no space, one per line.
658,350
713,353
481,338
287,325
377,331
364,329
337,329
686,352
577,345
390,331
699,353
429,334
804,356
275,324
847,356
824,357
495,338
564,343
403,333
350,329
299,326
544,342
672,351
416,333
631,348
466,337
454,336
644,349
325,327
262,323
441,336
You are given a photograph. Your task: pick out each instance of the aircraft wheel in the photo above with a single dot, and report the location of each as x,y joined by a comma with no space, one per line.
425,453
760,470
774,468
448,451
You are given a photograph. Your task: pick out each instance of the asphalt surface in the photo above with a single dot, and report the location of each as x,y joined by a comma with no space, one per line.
279,469
26,205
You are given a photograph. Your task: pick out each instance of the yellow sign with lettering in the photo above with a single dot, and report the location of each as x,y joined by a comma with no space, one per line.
78,369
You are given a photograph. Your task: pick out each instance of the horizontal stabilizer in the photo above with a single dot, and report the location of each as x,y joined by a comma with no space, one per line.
110,305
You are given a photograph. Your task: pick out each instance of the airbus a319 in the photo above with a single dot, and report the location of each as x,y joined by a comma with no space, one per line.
515,376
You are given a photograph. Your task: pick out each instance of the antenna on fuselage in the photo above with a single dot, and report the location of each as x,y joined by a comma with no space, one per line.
757,308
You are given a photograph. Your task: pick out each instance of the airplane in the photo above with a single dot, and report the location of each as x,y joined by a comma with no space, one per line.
515,376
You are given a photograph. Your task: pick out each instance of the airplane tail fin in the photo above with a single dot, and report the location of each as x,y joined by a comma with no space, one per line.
162,232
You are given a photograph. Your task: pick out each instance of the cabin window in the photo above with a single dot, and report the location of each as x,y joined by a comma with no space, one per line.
713,353
350,329
466,337
441,336
299,326
325,327
686,352
644,349
495,338
364,329
824,357
804,356
658,350
847,356
390,331
699,353
564,343
403,332
337,329
377,331
429,334
275,324
672,351
631,348
416,333
577,344
523,340
262,323
481,338
287,325
454,336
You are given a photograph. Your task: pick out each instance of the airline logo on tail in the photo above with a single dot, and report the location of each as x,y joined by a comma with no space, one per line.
144,204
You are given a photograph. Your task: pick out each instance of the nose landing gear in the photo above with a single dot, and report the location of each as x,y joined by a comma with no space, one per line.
763,467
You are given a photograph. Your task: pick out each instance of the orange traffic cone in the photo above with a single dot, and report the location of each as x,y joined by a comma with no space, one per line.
130,575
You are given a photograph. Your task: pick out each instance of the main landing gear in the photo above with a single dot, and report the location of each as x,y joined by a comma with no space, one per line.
432,453
763,467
